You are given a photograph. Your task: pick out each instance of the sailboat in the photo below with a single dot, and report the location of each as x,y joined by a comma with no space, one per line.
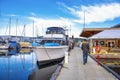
23,43
9,42
53,46
35,41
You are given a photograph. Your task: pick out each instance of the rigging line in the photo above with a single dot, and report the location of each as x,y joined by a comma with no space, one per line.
23,33
7,28
49,56
47,53
23,30
20,32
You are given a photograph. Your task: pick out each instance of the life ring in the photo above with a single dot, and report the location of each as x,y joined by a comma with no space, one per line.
98,48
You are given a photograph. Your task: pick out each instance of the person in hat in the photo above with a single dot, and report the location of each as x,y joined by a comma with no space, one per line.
85,49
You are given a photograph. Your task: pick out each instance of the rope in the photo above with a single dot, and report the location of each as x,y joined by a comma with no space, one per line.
47,53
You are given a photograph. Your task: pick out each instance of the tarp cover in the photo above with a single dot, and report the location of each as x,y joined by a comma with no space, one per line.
107,34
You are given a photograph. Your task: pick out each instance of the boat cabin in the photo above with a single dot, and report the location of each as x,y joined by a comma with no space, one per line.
55,30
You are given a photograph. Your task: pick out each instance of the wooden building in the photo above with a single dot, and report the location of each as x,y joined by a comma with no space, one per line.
108,38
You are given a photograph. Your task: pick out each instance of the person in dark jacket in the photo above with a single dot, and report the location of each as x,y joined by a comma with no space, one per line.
85,49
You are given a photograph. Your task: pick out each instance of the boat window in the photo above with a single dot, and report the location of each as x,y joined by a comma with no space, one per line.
57,30
49,41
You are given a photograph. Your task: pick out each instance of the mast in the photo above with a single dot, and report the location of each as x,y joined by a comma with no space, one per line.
16,26
24,30
84,20
9,26
16,29
33,28
70,30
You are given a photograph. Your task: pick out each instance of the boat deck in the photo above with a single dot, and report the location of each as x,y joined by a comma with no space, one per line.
75,70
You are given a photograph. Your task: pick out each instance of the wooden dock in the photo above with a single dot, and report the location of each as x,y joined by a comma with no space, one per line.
75,70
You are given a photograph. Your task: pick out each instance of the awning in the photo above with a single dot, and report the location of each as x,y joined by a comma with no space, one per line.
88,32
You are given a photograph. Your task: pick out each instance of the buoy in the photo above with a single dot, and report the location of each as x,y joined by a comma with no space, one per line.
98,59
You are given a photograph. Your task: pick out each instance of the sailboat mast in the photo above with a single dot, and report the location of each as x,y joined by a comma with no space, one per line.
24,30
16,26
70,30
33,28
84,20
9,26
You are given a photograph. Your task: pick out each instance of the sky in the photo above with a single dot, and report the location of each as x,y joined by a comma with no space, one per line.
32,17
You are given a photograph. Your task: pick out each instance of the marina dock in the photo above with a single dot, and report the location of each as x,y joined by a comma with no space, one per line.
75,70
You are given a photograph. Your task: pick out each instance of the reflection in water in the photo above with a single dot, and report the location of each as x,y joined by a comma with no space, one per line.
22,65
18,66
116,69
44,73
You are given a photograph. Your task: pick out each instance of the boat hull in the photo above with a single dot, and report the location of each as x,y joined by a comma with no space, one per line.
49,54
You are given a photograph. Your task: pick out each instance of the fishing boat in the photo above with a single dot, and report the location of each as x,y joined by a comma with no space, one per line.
53,46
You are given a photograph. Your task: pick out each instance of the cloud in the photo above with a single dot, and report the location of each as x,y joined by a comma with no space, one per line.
51,22
10,15
42,24
96,13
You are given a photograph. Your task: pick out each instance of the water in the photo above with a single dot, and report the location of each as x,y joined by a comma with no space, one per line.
22,65
109,64
116,69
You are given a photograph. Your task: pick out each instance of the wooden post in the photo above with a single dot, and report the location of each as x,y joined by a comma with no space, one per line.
66,57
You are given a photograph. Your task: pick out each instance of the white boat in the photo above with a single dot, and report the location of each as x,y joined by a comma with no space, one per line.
4,47
53,46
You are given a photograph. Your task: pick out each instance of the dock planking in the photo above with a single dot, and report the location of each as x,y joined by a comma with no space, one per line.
75,70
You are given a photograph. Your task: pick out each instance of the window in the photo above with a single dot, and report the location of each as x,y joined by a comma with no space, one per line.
101,43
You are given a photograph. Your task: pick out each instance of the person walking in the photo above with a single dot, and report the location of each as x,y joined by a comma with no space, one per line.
85,49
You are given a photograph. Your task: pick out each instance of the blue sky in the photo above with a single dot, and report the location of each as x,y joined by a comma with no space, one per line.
46,13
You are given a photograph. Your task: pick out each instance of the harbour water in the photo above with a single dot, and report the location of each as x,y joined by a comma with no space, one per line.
22,65
113,64
116,69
